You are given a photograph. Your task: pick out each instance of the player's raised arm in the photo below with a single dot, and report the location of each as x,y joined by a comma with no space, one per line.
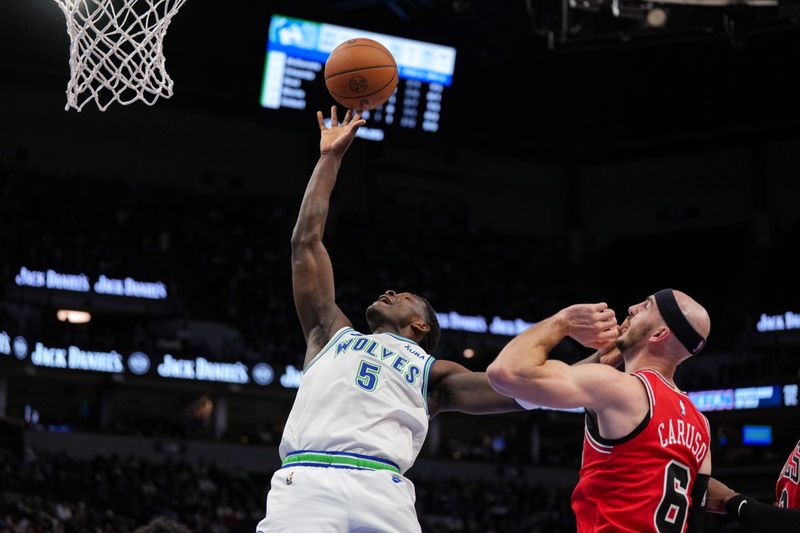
452,387
312,272
523,371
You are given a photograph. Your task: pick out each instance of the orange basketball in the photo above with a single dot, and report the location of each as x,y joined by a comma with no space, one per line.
361,74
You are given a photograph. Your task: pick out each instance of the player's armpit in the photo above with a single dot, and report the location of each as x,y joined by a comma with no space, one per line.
451,387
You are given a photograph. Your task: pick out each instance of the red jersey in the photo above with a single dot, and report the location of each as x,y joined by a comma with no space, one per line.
787,491
642,483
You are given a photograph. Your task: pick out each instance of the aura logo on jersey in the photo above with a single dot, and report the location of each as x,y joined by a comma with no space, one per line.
413,351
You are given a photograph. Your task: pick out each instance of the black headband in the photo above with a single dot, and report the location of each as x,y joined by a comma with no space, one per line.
677,323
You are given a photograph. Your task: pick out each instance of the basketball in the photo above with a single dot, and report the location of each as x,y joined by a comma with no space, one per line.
361,74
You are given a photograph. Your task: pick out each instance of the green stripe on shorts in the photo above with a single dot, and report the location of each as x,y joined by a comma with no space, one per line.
338,460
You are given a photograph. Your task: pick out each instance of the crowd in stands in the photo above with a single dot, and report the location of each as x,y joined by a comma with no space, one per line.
54,494
493,506
226,258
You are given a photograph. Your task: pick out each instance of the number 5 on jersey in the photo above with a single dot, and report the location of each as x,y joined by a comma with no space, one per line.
367,377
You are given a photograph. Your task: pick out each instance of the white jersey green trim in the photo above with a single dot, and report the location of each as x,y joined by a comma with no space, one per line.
425,374
365,395
401,338
338,335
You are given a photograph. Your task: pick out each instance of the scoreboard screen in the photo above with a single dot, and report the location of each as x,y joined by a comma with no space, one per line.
293,75
757,435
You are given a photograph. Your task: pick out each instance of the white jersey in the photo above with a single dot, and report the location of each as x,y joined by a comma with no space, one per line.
362,394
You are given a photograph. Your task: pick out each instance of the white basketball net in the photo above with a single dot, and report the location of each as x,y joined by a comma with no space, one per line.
117,51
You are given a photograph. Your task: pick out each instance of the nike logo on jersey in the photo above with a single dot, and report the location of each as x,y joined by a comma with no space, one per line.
682,433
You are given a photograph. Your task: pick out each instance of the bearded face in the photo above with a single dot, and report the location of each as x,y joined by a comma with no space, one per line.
393,309
643,319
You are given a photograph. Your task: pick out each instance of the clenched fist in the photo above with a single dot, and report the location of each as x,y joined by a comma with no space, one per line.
592,325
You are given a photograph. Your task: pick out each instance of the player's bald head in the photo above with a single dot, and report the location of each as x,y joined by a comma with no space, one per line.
695,314
687,320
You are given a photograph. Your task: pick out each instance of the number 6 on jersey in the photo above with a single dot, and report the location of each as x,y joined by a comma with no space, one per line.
671,514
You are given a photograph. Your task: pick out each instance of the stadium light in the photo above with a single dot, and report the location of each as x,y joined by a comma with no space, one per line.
73,317
656,18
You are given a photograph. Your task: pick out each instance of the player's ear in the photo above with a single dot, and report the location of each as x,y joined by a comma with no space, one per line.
660,334
420,327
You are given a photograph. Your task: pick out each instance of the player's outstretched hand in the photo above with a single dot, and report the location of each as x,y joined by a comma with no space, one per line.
336,139
593,325
717,496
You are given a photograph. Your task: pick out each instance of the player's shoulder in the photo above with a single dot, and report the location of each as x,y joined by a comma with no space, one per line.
602,375
656,384
608,390
343,331
318,338
442,367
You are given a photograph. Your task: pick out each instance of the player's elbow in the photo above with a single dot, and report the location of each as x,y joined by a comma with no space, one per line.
303,239
504,378
511,378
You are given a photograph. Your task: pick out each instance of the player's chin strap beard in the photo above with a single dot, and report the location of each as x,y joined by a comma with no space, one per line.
378,320
375,319
677,323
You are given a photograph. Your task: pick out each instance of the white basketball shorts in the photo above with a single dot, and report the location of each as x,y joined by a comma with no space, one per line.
310,499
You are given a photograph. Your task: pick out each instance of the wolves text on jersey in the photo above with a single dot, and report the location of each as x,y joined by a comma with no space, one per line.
371,347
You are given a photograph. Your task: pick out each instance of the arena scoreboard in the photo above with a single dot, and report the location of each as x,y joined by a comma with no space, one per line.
741,398
293,75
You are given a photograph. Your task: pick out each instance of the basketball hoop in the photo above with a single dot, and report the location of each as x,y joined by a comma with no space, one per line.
117,51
